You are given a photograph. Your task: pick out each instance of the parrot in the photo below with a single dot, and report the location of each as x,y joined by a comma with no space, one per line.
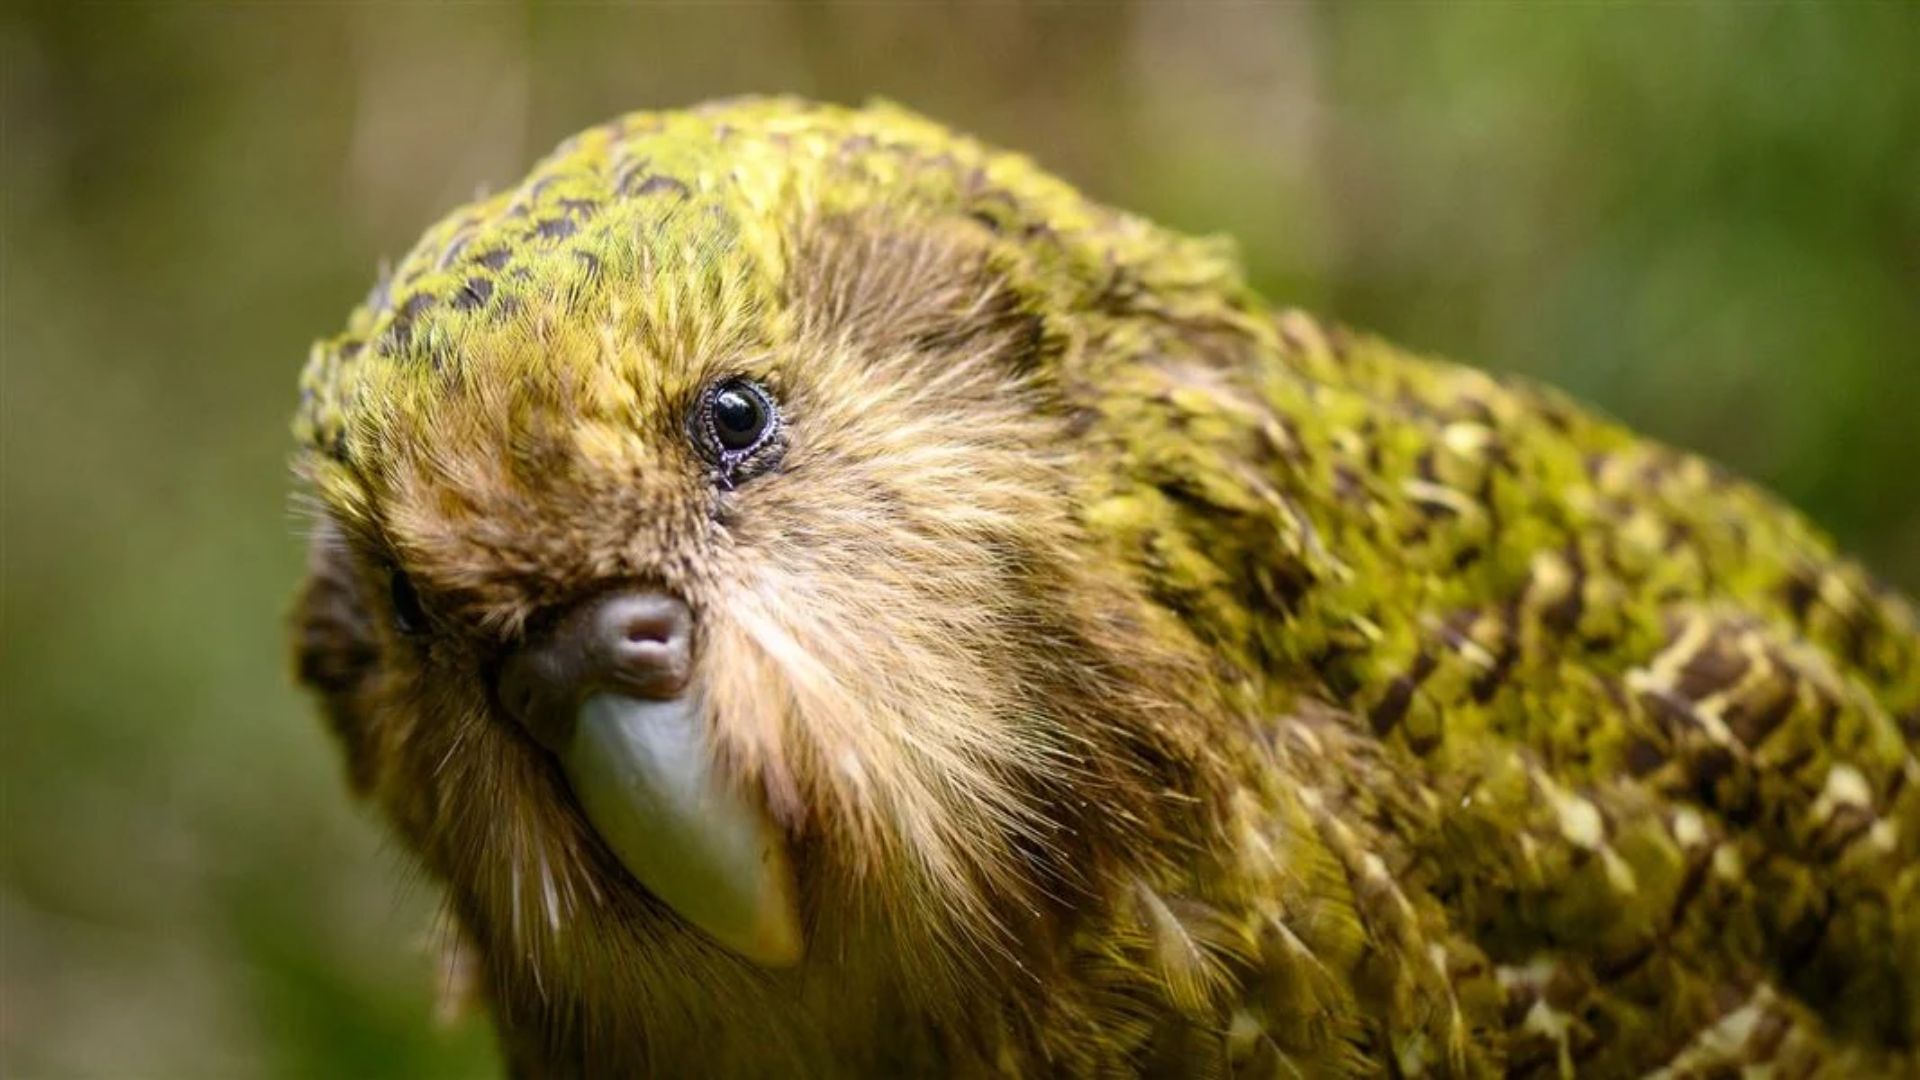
821,596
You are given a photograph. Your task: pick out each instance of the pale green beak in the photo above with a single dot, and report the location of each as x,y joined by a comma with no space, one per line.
644,773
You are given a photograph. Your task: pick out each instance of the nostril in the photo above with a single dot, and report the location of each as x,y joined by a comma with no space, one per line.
650,629
646,636
644,618
638,643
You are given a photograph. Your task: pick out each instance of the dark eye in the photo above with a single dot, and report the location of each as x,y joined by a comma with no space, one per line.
740,415
737,419
409,617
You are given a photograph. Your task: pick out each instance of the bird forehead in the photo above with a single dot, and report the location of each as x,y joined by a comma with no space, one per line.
678,230
645,202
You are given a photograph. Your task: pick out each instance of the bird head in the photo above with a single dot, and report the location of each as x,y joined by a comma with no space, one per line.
700,579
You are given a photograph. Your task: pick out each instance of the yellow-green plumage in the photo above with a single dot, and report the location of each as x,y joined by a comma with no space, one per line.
1504,740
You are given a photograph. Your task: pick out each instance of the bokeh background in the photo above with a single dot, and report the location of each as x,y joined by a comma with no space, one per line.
1703,218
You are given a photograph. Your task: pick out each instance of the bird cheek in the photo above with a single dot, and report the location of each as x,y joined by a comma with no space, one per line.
749,707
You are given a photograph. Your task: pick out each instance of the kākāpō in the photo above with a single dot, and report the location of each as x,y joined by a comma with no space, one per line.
824,597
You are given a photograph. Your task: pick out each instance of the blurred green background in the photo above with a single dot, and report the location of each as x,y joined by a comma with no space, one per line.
1705,219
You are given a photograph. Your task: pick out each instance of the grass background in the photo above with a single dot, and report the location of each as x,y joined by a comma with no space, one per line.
1703,218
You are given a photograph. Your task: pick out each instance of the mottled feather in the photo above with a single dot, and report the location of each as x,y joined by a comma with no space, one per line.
1154,681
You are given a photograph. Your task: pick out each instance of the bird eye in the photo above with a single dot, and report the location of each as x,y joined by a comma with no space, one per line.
736,419
409,616
740,415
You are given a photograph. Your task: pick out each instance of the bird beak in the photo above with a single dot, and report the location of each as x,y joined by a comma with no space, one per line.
646,777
